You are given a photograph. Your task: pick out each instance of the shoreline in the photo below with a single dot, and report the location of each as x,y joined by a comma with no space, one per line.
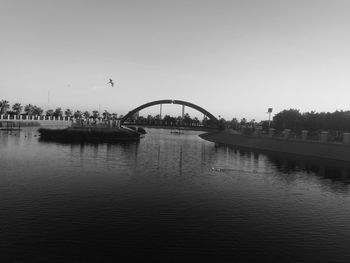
318,149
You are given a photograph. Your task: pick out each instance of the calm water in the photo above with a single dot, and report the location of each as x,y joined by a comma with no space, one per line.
167,198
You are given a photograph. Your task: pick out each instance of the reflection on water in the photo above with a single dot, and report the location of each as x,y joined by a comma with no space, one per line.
168,198
328,171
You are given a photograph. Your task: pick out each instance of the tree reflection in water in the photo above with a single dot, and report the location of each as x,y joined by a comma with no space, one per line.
332,174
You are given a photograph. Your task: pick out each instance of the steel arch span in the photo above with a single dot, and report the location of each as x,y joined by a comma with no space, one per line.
181,102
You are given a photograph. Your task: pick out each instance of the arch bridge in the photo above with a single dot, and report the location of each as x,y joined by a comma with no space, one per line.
213,119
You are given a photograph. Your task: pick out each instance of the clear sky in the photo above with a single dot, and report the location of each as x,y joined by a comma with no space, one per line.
233,58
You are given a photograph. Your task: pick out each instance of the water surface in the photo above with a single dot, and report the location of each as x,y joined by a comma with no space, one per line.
168,197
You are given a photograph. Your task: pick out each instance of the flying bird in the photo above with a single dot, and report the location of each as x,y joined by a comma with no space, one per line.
111,82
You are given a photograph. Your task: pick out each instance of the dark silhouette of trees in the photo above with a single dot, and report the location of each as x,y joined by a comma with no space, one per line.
17,108
335,122
95,114
50,113
312,121
86,114
114,115
32,110
68,113
37,111
58,113
106,114
4,106
29,109
78,114
288,119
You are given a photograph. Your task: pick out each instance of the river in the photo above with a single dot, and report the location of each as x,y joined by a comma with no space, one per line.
169,197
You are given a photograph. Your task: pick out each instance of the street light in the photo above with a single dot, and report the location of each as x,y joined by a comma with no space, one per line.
269,110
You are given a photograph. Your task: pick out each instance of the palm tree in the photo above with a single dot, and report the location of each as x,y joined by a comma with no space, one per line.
50,113
17,108
77,114
37,110
167,120
4,106
114,115
187,119
106,115
196,121
29,109
68,113
150,119
86,114
95,114
58,113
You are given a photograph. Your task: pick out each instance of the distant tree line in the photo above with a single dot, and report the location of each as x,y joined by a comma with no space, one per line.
33,110
312,121
167,120
291,119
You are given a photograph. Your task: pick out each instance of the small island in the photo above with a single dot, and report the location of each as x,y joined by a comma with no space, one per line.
81,131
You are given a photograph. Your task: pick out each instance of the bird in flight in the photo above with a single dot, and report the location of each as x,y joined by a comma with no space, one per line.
111,82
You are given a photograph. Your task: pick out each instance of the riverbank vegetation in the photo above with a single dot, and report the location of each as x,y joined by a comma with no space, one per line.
312,121
34,111
293,119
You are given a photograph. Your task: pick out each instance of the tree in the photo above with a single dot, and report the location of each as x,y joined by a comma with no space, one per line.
205,121
29,109
17,108
106,114
141,120
167,120
37,111
264,125
95,114
243,122
157,119
68,113
288,119
234,123
50,113
77,114
4,106
196,121
150,119
58,113
179,120
222,123
187,119
86,114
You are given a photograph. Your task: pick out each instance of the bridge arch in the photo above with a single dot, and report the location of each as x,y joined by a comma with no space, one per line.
181,102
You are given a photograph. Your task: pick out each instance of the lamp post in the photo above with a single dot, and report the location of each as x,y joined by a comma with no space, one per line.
269,110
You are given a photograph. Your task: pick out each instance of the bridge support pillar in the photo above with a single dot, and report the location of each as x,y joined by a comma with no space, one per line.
160,110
